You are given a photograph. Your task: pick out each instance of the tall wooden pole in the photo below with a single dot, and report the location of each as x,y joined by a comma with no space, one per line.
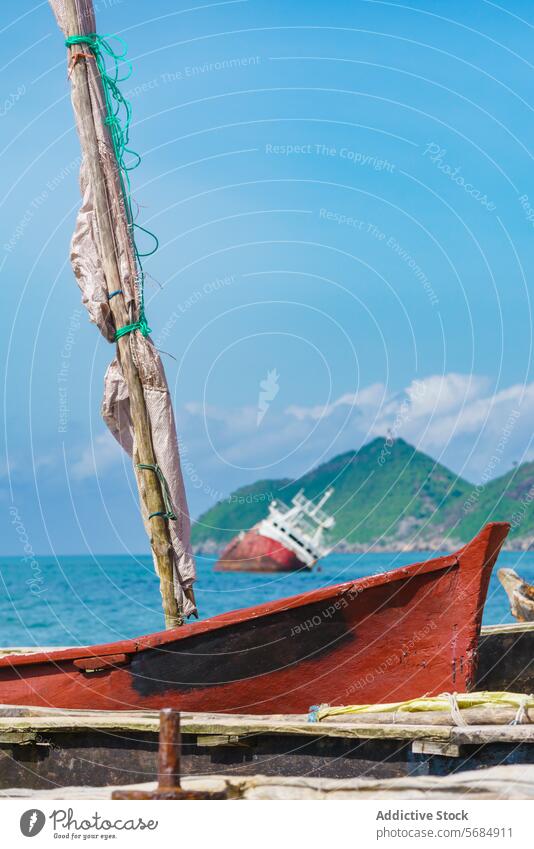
82,23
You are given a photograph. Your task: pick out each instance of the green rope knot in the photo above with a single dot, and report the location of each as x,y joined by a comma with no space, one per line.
169,512
141,326
118,119
89,38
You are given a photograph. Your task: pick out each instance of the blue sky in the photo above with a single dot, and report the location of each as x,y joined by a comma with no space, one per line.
344,196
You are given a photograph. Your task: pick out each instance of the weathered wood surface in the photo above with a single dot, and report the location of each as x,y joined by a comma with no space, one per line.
507,628
501,782
506,658
381,726
102,748
10,650
520,595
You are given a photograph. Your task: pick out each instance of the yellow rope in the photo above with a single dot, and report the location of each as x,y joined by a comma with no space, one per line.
430,703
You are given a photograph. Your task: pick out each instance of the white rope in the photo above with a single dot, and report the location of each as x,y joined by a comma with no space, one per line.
456,715
522,715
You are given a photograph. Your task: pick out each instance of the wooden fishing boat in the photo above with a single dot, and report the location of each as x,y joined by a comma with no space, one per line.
387,637
520,595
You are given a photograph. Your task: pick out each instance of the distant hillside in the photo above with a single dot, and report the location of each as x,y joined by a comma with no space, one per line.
509,498
390,495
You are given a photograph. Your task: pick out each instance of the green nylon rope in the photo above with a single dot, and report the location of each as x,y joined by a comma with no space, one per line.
118,119
140,325
169,512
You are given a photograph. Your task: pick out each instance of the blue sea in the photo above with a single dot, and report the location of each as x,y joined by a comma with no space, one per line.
93,599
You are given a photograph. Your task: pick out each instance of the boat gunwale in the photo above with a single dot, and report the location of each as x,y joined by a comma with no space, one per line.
134,645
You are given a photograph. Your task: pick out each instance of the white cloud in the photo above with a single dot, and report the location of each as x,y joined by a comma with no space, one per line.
364,398
445,393
465,422
98,457
237,418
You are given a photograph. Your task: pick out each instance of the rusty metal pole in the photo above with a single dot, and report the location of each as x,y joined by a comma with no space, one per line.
169,751
170,742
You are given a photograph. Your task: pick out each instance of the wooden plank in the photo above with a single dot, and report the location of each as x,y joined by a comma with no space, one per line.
75,724
17,738
510,628
223,725
431,747
205,725
211,740
489,734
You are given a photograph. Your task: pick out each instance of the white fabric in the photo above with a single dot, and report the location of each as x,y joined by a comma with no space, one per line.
89,272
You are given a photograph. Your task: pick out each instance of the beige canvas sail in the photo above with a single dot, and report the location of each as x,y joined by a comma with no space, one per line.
89,271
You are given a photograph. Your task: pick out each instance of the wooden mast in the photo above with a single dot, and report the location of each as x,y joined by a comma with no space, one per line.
150,493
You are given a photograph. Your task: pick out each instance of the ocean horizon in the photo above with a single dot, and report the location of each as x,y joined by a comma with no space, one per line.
84,599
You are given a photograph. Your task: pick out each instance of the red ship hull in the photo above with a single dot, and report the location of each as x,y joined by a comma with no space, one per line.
383,638
254,552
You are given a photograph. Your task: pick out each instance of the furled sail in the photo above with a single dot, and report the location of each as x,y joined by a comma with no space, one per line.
89,264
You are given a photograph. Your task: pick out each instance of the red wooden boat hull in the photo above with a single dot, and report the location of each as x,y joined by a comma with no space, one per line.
257,553
393,636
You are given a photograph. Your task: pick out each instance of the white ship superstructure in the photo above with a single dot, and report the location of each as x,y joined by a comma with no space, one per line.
300,527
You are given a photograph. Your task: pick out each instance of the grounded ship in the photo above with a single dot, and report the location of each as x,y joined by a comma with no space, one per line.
288,539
